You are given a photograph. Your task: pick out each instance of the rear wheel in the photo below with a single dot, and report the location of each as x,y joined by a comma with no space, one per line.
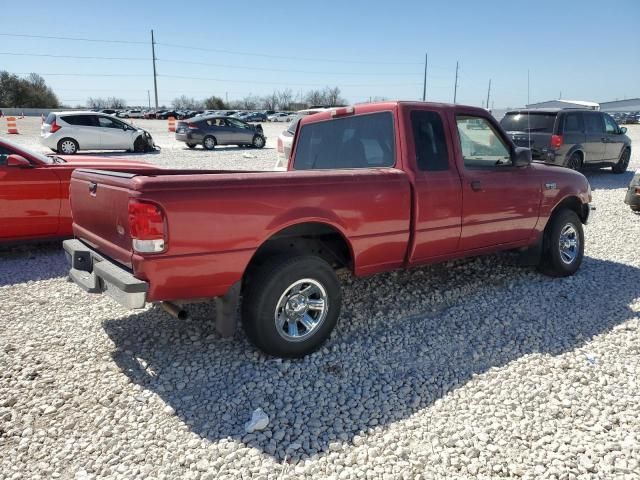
258,141
291,305
575,161
563,245
209,143
623,162
67,146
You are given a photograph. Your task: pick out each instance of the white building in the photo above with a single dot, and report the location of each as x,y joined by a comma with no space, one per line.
565,104
630,105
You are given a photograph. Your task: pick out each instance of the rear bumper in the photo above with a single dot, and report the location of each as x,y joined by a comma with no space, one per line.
632,198
96,274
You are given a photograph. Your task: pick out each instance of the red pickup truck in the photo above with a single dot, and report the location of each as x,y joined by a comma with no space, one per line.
369,188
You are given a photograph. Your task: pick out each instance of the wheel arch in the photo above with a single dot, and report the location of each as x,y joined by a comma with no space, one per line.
315,237
579,149
573,203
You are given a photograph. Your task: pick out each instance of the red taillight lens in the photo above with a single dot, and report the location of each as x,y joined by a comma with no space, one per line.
54,127
192,126
146,226
556,141
280,145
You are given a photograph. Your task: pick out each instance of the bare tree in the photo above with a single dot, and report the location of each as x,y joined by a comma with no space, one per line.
315,97
284,99
186,102
250,102
270,102
332,97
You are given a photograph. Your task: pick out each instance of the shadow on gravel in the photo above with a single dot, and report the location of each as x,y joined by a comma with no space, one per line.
605,180
383,363
32,262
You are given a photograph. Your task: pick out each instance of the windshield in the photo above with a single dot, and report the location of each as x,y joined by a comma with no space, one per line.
20,150
528,122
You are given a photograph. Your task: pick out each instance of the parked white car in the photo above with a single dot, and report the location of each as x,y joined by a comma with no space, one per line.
280,117
68,132
132,114
285,139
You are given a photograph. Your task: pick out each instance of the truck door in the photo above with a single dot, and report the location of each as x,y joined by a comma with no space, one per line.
500,202
595,141
438,193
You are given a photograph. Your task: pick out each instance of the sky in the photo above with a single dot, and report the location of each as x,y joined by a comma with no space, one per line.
582,50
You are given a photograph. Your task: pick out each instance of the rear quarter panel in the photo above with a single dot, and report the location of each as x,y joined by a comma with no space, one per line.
216,224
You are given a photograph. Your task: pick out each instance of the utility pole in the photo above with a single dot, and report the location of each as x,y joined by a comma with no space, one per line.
424,84
155,80
226,98
149,98
528,90
488,93
455,85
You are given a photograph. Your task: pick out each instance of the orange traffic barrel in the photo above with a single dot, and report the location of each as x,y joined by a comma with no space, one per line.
172,124
11,125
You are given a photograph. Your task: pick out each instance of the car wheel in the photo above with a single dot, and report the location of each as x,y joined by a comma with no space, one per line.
291,305
191,145
623,162
67,146
258,141
575,161
139,145
563,245
209,142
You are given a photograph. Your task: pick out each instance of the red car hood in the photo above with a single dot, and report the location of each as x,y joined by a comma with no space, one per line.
80,161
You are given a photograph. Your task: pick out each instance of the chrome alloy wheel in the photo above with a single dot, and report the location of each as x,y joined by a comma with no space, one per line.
68,147
569,244
301,310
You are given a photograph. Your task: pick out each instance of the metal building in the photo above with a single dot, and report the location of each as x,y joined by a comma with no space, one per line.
630,105
565,104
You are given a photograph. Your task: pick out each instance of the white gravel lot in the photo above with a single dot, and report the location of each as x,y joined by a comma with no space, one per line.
471,369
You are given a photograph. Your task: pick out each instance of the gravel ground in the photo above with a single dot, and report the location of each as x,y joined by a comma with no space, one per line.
471,369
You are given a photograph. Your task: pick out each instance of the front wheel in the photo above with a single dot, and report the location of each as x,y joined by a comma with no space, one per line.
209,143
623,162
563,245
291,305
258,141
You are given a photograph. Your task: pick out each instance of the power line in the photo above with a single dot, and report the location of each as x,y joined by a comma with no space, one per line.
289,83
78,39
266,55
18,54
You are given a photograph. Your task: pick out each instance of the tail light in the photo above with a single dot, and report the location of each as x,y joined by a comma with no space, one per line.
147,227
280,145
556,141
192,126
54,127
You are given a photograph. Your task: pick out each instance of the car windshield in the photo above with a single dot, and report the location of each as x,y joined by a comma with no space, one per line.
20,150
528,122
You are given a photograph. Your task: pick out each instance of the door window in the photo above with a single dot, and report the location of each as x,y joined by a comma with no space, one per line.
480,144
80,120
573,123
237,124
107,122
430,142
610,125
593,123
4,153
361,141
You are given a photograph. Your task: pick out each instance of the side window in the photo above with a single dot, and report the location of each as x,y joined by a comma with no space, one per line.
610,124
481,146
573,123
593,123
430,141
107,122
4,153
361,141
80,120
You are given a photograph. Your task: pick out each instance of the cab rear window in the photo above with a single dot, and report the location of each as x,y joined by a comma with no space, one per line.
362,141
528,122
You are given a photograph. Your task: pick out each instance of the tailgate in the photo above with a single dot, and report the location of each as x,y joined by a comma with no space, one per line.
537,142
99,205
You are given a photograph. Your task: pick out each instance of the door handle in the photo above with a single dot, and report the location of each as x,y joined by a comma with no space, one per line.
604,139
476,185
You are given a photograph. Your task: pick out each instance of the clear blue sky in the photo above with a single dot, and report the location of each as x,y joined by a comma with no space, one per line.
585,49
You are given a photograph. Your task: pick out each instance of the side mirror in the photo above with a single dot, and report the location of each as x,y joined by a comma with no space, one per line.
623,130
19,161
521,157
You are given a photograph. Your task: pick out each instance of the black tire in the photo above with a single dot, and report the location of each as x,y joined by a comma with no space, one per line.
623,162
258,141
139,144
554,260
268,288
67,146
575,161
209,142
191,145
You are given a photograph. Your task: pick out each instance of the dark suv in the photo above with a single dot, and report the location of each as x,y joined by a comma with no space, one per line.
574,138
